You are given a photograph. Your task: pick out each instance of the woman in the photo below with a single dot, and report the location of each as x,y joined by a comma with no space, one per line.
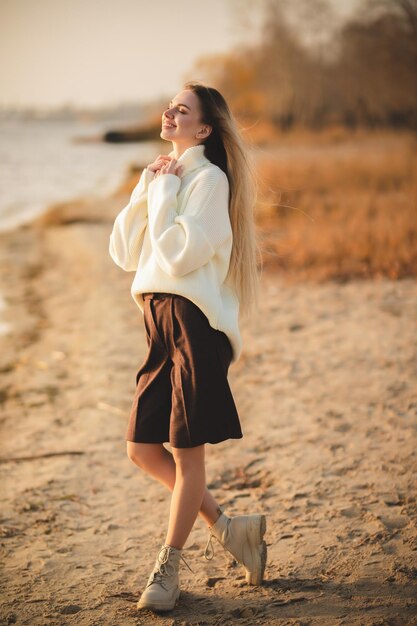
189,235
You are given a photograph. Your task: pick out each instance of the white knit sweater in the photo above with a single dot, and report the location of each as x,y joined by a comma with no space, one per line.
175,233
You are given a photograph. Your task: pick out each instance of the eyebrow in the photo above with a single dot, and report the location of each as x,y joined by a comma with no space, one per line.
180,104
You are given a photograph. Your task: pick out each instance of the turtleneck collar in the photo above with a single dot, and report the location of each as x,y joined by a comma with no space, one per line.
192,158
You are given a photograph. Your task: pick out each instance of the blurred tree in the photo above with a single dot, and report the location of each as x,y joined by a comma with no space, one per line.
377,66
305,68
234,74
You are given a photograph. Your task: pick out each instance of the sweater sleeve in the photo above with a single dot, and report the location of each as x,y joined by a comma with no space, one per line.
126,238
184,242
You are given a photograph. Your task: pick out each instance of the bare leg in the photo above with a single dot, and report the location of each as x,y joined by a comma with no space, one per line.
187,495
159,463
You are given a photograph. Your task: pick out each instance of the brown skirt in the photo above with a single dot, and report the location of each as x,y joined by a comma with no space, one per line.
182,392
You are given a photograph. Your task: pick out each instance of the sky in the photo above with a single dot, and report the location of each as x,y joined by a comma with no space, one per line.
104,52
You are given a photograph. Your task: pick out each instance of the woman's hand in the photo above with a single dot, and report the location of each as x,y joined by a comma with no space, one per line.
159,162
170,167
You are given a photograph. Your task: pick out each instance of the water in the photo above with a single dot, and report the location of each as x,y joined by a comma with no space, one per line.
41,165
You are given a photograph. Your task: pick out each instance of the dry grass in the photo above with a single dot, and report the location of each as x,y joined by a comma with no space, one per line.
337,205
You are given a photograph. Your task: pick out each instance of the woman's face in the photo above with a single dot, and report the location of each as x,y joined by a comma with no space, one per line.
181,120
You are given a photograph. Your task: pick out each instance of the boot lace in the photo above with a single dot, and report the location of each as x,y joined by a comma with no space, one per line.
209,545
165,568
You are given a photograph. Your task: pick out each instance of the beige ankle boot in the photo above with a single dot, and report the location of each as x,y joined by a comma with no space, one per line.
163,587
242,537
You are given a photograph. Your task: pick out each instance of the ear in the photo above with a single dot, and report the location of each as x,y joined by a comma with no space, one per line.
204,132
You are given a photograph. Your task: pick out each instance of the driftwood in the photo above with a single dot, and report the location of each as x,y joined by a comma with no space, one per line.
33,457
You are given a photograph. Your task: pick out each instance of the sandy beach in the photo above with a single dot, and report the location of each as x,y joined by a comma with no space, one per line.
327,393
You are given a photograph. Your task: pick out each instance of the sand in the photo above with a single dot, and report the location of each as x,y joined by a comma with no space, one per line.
326,390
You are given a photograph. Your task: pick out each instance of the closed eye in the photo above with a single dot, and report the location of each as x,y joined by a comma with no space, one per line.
180,110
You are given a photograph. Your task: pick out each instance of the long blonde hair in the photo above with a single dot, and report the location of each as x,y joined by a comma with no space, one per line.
226,148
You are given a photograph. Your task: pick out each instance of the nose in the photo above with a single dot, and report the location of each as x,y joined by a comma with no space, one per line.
167,112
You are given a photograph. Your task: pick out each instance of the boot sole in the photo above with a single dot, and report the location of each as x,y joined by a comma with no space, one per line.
159,606
255,533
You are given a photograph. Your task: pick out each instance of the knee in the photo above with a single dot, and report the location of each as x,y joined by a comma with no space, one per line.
189,460
132,452
143,454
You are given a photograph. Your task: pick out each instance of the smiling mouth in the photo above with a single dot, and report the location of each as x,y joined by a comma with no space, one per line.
168,125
